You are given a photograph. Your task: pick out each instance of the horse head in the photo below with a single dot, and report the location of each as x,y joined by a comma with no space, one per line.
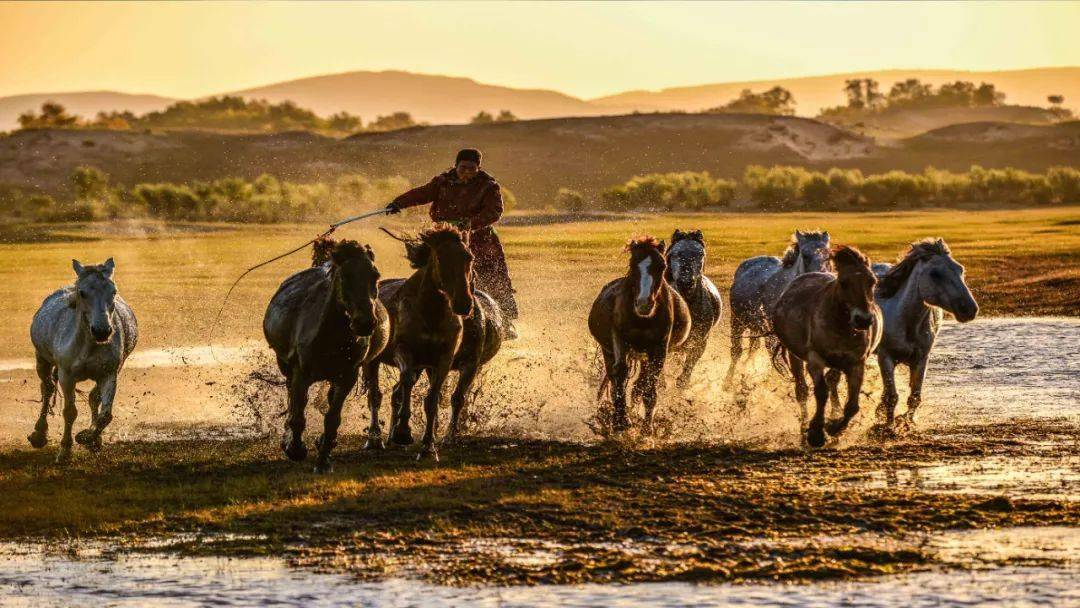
856,281
647,268
939,279
686,259
95,298
445,250
355,284
808,252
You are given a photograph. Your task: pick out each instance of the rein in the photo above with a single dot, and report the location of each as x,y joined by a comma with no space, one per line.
328,232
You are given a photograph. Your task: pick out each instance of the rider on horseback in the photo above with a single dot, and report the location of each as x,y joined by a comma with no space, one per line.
470,199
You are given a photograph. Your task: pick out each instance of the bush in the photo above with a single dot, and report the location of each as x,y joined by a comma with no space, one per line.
569,200
1064,184
669,191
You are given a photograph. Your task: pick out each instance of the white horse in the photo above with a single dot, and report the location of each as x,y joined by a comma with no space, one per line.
85,332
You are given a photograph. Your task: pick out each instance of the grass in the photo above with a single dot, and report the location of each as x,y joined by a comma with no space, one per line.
1020,262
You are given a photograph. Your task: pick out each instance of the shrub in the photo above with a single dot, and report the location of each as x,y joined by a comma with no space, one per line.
686,190
569,200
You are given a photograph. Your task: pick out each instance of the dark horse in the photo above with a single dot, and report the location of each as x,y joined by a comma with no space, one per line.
911,295
825,322
760,280
641,316
323,324
439,324
685,270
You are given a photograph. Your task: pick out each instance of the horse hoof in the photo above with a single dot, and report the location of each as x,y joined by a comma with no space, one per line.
835,427
815,436
428,452
38,439
89,440
374,443
402,438
296,451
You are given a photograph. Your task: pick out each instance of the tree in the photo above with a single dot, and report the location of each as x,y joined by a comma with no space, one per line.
1056,100
777,101
854,90
569,200
89,183
482,118
53,116
343,121
505,116
397,120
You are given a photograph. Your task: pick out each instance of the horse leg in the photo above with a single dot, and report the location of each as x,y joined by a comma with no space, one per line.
815,433
649,381
618,372
802,390
887,408
101,403
918,373
694,351
374,398
436,379
292,441
335,398
736,348
45,371
832,378
400,432
457,400
854,385
67,389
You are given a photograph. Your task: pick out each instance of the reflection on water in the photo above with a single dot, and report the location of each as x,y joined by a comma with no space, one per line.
161,581
1030,477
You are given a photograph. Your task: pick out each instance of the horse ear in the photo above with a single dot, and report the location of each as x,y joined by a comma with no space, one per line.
109,267
698,235
826,235
77,267
675,236
370,252
661,246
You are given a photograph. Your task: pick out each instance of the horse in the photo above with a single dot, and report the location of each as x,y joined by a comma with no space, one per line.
685,265
638,316
911,296
760,280
825,321
439,324
323,323
82,332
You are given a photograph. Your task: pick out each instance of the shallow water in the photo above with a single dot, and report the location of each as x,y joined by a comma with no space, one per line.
36,579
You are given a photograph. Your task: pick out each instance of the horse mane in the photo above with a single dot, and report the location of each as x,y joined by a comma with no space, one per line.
321,249
691,235
847,256
643,241
918,251
792,252
418,248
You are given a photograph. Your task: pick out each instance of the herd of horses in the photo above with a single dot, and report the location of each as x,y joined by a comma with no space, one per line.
821,309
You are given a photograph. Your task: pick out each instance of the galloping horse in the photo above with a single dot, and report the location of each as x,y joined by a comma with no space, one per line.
323,324
685,263
638,315
825,321
760,280
439,324
85,332
911,295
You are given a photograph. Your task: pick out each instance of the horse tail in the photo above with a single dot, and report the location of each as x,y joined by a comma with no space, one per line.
778,354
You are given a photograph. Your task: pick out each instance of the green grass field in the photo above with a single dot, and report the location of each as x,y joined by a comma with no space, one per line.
1020,262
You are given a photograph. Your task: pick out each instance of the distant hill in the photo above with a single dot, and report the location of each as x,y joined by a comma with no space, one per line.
534,158
436,99
1024,87
86,104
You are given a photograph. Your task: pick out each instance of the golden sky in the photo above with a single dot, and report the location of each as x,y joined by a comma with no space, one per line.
584,49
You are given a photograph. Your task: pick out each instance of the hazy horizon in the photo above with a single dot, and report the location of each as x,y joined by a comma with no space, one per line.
585,50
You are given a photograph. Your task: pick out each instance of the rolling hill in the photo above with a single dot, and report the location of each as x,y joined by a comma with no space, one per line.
1024,87
532,158
86,104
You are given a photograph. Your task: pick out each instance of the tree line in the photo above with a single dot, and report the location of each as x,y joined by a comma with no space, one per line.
785,188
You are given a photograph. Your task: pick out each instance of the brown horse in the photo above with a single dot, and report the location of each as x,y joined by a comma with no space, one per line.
825,322
323,324
439,324
639,315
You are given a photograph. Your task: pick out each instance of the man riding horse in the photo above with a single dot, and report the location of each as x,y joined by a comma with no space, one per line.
470,199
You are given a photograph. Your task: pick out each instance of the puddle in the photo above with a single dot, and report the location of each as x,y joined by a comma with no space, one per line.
1034,478
140,580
